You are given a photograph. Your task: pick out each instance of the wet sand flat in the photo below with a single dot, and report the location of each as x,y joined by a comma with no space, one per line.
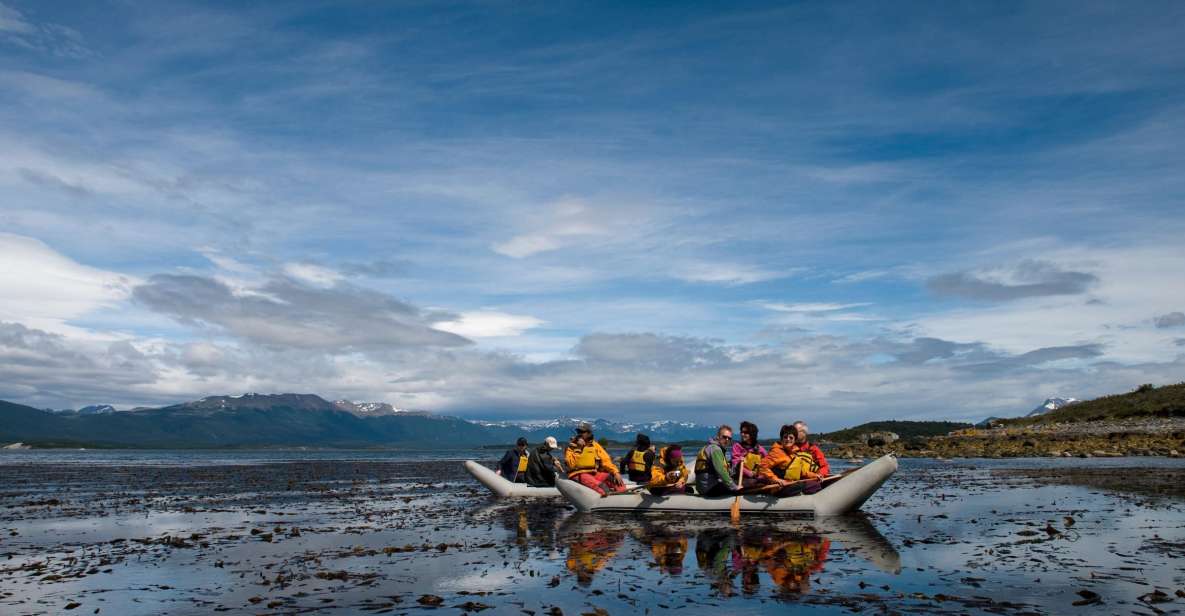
396,533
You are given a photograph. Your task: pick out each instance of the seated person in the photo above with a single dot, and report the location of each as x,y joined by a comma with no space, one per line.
819,466
794,470
668,475
542,467
513,465
746,455
590,464
711,465
639,460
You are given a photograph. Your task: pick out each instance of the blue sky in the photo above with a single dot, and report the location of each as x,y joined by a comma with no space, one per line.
829,211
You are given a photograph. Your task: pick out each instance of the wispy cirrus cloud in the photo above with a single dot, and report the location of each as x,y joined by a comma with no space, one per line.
288,314
1029,278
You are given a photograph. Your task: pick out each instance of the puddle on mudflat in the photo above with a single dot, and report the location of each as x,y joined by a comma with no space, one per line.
405,536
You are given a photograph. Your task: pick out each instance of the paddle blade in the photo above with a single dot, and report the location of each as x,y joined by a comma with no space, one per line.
735,512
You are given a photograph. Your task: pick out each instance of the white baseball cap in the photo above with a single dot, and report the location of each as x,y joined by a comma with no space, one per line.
551,444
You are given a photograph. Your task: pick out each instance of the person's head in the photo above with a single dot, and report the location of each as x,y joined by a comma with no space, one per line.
724,433
674,454
584,432
788,434
521,443
800,432
748,433
642,442
550,442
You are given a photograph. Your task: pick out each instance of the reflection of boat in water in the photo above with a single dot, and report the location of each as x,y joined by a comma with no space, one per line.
841,496
787,552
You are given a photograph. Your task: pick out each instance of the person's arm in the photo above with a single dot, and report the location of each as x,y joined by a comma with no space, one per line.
648,457
658,477
738,458
824,468
503,462
606,461
720,463
570,455
767,465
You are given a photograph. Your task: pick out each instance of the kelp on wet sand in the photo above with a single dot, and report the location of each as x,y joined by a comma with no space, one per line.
400,536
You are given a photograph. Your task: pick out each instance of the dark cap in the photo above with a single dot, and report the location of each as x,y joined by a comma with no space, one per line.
584,427
522,441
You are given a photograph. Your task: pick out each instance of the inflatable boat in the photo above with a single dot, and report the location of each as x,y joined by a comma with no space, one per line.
837,497
504,488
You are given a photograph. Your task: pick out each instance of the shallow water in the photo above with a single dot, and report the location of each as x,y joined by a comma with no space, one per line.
379,532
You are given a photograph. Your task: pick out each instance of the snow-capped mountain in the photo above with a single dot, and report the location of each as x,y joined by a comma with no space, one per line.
94,409
97,409
1052,404
562,427
373,409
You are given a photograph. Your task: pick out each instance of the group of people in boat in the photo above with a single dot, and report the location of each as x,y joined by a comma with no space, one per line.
723,466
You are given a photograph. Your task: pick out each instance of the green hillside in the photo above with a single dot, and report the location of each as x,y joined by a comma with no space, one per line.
1145,401
904,429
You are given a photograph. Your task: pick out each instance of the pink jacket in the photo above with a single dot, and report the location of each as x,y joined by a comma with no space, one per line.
738,454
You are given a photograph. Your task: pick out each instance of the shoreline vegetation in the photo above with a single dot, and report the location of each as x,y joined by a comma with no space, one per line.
1149,421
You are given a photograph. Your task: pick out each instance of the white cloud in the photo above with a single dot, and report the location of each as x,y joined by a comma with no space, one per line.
810,307
1133,284
727,273
42,288
565,221
11,20
489,324
526,245
313,274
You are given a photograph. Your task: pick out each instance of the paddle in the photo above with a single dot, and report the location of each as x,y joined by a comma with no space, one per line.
735,513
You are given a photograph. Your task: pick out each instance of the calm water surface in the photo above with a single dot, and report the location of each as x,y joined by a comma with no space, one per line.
409,532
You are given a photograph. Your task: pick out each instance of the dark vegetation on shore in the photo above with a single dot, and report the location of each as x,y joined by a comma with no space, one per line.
903,429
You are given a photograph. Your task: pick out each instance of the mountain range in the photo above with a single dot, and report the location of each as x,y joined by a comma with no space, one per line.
306,420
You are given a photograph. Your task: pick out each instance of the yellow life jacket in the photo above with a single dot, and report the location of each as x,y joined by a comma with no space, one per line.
637,461
522,463
752,459
799,462
586,460
701,461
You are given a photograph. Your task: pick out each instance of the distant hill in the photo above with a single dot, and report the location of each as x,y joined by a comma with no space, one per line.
283,420
904,429
1145,401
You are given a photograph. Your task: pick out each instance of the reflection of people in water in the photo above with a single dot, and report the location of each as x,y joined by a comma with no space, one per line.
713,549
746,559
669,553
788,558
589,552
790,563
